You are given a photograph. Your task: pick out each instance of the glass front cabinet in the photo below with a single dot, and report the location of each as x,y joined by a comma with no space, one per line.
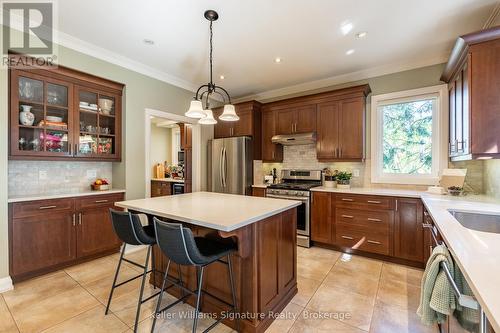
64,114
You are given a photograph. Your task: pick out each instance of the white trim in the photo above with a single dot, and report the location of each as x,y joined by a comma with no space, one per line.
6,284
439,134
343,78
196,171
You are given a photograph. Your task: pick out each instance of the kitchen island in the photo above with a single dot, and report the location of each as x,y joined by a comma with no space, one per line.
265,264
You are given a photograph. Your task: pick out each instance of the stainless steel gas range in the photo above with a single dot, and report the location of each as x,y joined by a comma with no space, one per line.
296,185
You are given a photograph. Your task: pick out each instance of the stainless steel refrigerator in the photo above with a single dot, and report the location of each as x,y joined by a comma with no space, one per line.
230,165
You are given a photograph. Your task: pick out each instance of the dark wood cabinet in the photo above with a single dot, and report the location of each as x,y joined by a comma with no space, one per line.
249,124
408,230
271,152
258,192
294,120
473,75
46,235
160,188
322,219
72,115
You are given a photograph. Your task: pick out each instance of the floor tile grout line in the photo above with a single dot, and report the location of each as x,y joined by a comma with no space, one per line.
10,312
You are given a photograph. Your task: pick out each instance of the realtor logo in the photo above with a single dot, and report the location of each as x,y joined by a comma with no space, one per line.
28,29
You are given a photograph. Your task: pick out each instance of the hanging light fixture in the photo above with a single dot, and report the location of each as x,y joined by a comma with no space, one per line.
196,108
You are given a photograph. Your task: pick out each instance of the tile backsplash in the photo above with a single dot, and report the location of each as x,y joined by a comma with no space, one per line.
304,157
50,177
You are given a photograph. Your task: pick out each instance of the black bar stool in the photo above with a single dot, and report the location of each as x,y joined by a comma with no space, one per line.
181,247
129,229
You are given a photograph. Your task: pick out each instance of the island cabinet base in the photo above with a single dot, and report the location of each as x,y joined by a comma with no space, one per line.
265,270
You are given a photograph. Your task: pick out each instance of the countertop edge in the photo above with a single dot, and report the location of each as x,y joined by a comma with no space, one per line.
373,191
63,195
168,180
211,225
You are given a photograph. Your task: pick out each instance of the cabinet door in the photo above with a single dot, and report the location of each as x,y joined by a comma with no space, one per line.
465,110
321,218
42,241
408,231
270,152
459,114
244,126
188,170
305,121
351,130
44,127
222,129
327,137
285,121
95,232
452,120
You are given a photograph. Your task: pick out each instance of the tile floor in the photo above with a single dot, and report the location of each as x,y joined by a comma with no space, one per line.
362,295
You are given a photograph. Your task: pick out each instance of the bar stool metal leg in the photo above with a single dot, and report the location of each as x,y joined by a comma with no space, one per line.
158,303
183,293
139,303
233,292
153,264
198,298
115,278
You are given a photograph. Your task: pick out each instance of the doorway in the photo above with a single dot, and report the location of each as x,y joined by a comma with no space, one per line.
162,147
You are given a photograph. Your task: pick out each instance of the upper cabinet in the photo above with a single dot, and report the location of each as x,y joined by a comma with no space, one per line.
249,124
337,117
473,77
295,120
64,114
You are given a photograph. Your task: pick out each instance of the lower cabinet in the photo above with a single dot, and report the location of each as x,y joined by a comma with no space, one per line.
160,189
381,225
258,192
322,222
48,234
408,230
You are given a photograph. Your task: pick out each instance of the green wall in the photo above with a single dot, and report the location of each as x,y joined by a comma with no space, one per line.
141,92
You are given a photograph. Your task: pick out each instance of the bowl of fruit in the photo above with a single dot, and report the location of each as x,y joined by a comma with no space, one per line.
100,185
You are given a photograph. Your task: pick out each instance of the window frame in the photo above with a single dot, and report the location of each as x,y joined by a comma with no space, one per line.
439,135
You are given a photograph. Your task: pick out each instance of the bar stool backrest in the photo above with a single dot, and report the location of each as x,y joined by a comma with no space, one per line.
177,243
128,227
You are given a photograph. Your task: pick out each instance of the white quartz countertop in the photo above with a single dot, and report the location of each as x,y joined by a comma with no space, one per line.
477,253
61,195
260,185
223,212
372,191
168,180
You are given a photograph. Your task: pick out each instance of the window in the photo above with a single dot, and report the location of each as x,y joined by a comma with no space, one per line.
409,136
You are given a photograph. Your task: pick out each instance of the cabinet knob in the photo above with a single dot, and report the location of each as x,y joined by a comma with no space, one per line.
348,216
347,237
374,220
374,242
47,207
347,199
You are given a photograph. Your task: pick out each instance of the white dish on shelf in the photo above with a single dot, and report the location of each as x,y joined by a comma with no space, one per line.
54,119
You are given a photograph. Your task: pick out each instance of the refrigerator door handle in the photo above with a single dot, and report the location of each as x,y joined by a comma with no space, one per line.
220,167
224,167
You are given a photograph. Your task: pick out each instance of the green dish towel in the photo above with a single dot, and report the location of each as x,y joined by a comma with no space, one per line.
468,318
437,300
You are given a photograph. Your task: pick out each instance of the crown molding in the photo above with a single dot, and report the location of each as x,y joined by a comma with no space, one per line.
492,19
98,52
343,78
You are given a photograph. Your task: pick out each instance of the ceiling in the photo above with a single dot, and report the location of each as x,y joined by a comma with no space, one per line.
249,35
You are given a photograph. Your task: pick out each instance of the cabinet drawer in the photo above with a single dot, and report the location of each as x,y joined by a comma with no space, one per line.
371,219
364,201
40,207
97,201
373,241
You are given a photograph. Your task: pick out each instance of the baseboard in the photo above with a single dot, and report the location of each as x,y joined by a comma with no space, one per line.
134,248
6,284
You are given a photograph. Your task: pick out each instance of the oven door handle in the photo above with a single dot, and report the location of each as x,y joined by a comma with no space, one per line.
287,198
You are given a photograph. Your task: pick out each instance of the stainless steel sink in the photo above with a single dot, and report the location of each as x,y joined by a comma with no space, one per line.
478,221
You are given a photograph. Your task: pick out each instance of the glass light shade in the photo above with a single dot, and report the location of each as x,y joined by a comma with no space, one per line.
195,110
229,113
209,118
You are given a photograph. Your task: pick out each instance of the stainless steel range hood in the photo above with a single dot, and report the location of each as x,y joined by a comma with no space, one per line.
295,139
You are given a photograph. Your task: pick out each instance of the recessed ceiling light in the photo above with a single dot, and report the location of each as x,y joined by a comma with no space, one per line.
361,34
222,77
277,60
148,41
349,52
346,27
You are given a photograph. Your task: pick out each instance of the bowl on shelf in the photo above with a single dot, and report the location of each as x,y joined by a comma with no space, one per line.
54,119
105,104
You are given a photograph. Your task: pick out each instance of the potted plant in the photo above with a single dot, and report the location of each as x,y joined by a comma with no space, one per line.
344,179
330,177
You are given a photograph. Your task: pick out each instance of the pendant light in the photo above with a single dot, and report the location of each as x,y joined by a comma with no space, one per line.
196,109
